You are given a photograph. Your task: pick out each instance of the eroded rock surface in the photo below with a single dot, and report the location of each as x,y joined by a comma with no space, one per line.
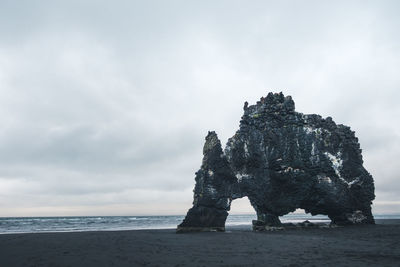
282,160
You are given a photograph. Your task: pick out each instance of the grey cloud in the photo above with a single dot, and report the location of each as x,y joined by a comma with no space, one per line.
108,103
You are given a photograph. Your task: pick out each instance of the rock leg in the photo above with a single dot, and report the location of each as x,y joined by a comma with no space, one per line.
213,190
266,220
355,217
200,219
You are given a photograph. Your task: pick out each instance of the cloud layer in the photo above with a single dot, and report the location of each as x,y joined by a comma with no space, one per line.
104,106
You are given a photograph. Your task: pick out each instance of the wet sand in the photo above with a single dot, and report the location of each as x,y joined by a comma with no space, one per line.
368,245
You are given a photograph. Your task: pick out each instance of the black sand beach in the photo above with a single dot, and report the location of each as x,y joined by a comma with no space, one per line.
367,245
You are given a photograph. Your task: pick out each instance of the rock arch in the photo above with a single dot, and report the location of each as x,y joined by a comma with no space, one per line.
282,160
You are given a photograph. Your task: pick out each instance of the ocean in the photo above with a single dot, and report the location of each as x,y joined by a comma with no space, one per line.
115,223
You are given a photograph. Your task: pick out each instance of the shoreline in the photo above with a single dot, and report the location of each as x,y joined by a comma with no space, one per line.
241,227
360,245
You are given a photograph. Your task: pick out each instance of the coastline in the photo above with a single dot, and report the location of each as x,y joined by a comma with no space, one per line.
234,226
361,245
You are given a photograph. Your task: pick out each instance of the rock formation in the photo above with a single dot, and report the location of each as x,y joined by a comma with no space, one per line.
282,160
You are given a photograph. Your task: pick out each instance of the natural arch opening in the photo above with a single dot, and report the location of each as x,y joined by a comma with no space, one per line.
299,215
241,213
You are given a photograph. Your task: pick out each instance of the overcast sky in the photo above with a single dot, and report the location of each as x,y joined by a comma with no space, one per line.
104,105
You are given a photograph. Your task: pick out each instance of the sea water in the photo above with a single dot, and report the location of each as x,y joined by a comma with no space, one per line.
115,223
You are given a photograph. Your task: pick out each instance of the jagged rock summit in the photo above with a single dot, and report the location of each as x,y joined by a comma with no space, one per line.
282,160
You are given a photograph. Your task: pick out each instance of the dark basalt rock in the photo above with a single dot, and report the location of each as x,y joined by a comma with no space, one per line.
282,160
